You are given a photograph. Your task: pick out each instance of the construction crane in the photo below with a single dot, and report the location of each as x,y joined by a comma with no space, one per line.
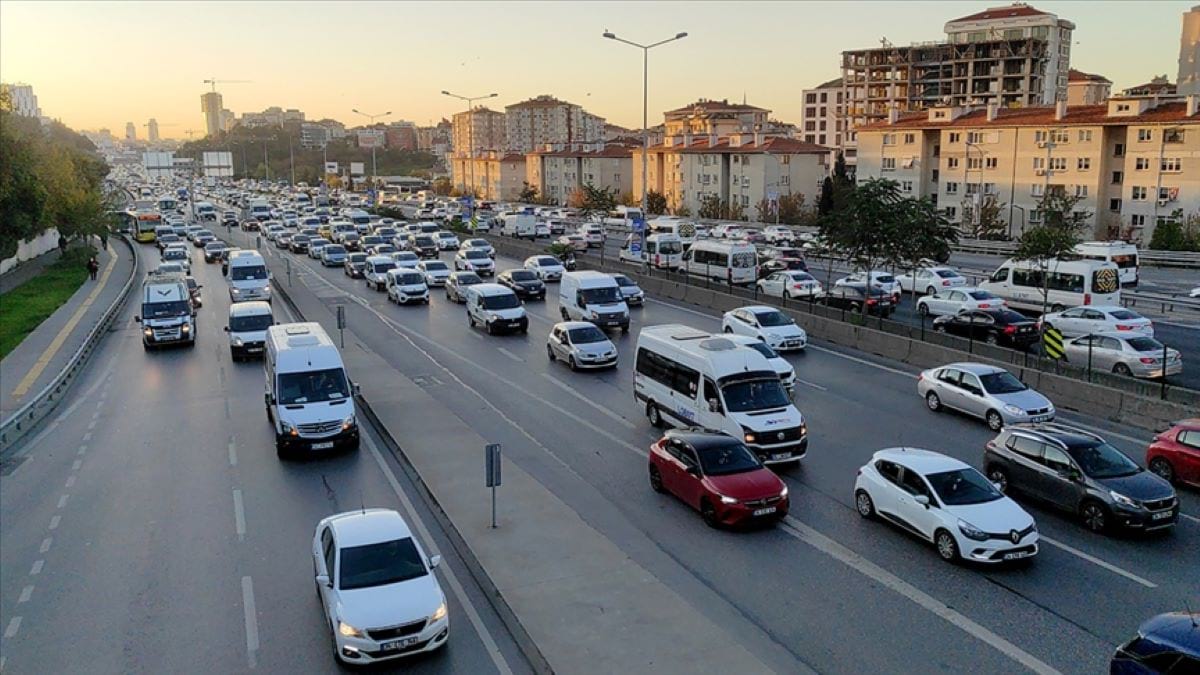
190,133
214,82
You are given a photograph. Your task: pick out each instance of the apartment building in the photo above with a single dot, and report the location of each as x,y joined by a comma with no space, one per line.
491,174
1087,88
1133,161
708,117
546,120
822,113
1189,53
401,136
479,129
21,99
313,136
558,173
271,117
370,137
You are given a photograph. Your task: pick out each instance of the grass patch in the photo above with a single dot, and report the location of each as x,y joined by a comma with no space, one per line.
25,307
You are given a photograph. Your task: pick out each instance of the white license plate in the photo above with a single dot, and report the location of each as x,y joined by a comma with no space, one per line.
1042,418
322,446
780,456
1016,556
397,644
254,349
1162,515
764,512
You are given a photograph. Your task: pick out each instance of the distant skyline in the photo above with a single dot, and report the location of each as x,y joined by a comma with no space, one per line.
102,64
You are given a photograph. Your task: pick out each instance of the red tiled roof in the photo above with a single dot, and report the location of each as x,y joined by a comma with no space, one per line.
776,145
608,151
513,157
1013,11
1080,76
715,105
1164,113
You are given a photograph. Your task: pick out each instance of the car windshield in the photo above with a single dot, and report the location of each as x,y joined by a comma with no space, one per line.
502,301
388,562
748,396
763,348
477,255
1124,315
522,275
726,459
802,276
410,278
214,246
159,310
773,318
586,335
946,274
601,296
1103,461
174,254
1002,382
334,249
548,262
466,279
247,272
962,487
981,295
249,322
312,386
436,267
1145,344
358,258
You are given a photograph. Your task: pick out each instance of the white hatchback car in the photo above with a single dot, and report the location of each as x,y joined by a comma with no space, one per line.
881,280
436,272
946,502
767,324
1099,319
931,279
791,284
406,259
546,267
380,597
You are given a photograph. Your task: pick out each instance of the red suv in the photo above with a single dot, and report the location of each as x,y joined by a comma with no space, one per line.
1175,453
718,476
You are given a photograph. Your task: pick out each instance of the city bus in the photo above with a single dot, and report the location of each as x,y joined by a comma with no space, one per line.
1121,253
167,204
143,224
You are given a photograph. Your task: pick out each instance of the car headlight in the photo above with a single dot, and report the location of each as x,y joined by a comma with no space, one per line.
238,342
492,317
349,631
1014,409
185,328
1123,500
288,428
784,492
728,500
236,291
147,332
970,531
267,288
349,423
749,437
439,613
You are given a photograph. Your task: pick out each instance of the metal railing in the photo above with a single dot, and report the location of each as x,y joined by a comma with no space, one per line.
27,417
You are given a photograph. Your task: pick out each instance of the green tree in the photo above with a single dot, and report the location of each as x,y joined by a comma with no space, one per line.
869,227
682,211
442,185
656,203
825,204
529,193
987,224
590,199
922,232
1060,230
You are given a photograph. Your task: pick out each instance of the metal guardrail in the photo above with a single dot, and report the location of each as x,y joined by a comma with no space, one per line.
27,417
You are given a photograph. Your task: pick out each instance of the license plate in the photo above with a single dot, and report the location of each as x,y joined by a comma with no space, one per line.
1042,418
322,446
612,323
765,511
398,644
1163,515
254,349
782,455
1017,555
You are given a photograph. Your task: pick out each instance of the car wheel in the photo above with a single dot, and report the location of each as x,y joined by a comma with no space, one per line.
939,328
728,330
855,307
930,291
653,415
922,309
1122,369
1095,516
656,480
991,339
994,421
1163,469
933,402
550,353
1056,308
571,363
491,329
864,505
470,320
281,451
947,547
563,312
709,513
999,477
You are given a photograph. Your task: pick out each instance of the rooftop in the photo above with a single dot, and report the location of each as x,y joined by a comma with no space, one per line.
1080,76
1164,113
1014,10
773,145
705,105
542,101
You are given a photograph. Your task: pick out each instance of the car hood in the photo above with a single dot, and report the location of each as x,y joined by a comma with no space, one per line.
782,366
610,308
512,313
249,335
311,413
412,288
1025,400
1142,486
789,331
438,274
551,268
482,263
749,485
243,284
390,605
533,284
999,517
630,291
772,419
596,348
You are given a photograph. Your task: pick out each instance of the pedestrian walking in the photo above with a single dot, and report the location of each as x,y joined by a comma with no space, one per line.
62,244
104,241
93,266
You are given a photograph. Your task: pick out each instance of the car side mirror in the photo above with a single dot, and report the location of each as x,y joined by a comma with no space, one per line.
999,487
226,328
434,561
137,318
269,398
714,406
323,579
923,500
355,389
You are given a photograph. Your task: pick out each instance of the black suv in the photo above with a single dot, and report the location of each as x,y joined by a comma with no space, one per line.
994,326
852,297
524,283
1080,472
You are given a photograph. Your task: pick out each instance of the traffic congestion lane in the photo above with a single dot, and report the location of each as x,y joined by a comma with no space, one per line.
187,518
419,317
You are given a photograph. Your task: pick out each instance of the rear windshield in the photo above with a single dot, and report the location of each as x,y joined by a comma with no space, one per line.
981,295
1145,344
1124,315
1009,316
945,274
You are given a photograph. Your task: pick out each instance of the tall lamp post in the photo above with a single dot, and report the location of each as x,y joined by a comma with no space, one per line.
645,103
372,118
470,128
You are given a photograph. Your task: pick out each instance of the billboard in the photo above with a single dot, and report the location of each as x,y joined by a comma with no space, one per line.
331,167
356,169
218,164
159,164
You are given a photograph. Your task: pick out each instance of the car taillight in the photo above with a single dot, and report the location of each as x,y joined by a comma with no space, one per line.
984,305
798,286
1009,330
1122,326
1087,298
946,282
871,301
1147,359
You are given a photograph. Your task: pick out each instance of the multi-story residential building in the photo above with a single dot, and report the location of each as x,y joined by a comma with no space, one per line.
130,132
544,120
226,119
21,99
336,129
613,132
272,117
1087,88
706,117
478,130
556,174
1132,161
313,136
821,116
211,105
1157,86
490,174
401,136
152,130
1014,56
1189,54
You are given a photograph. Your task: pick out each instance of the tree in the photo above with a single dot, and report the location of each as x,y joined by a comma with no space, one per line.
442,185
869,226
825,204
987,224
592,199
529,193
1177,233
922,232
790,209
1060,230
656,203
682,211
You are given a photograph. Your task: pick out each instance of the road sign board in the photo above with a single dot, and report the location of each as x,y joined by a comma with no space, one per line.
639,223
635,247
1052,340
492,451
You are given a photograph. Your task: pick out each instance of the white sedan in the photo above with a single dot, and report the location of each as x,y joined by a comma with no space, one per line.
946,502
787,374
778,234
957,301
576,242
546,267
931,279
436,272
791,284
884,281
406,259
1099,319
767,324
479,245
378,592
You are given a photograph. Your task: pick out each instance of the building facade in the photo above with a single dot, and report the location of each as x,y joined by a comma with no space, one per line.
401,136
821,117
313,136
491,175
1087,88
708,117
546,120
211,105
557,174
22,100
130,132
152,130
478,130
1188,81
1133,162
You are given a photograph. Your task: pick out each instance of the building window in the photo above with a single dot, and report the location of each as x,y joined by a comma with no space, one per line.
1081,190
810,125
951,212
1083,163
1114,204
1137,220
975,137
909,139
991,162
1085,135
810,98
1138,193
809,138
1037,189
955,137
1172,164
1039,136
1060,136
824,98
974,163
1039,163
1116,177
972,189
1119,150
810,112
1122,107
1165,193
737,159
823,108
889,164
1058,163
821,125
1172,135
785,180
889,139
1144,135
822,139
745,200
1141,163
951,188
951,162
906,186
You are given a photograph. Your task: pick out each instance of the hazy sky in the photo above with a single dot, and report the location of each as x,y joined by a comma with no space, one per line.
102,64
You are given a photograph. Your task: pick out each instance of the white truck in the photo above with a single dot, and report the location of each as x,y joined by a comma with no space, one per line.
258,209
519,225
167,316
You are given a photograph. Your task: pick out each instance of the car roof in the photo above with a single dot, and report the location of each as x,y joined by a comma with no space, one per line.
367,526
701,438
572,325
249,308
1116,335
974,368
758,309
920,460
1102,308
491,289
1179,630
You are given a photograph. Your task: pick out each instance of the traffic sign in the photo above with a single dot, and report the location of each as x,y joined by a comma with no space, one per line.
1052,340
635,247
639,223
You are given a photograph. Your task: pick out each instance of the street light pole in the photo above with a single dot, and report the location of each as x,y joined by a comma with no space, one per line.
470,129
372,118
645,104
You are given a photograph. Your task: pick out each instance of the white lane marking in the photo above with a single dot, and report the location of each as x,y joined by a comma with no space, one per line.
475,335
1096,561
232,453
510,355
85,396
82,450
95,415
26,593
567,388
865,362
451,578
91,425
62,501
251,621
46,543
239,515
54,522
76,464
37,567
814,385
922,599
87,437
13,626
70,481
1194,519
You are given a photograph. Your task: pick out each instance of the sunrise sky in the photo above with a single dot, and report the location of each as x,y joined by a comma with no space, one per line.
98,64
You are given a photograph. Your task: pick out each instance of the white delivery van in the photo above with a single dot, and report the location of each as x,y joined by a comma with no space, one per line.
168,316
663,250
519,225
593,296
258,209
1071,283
496,307
375,272
689,378
1121,253
405,285
247,328
206,211
684,229
726,261
361,220
309,396
248,277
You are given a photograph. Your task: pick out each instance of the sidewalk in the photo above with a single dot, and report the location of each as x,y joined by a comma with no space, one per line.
27,270
45,352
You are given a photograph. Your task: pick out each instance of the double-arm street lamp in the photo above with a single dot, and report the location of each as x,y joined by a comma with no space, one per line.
375,140
470,129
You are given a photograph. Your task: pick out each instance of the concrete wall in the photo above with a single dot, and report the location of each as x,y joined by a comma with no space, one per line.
28,250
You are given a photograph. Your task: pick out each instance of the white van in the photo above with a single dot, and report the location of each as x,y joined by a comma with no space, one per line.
726,261
375,272
206,211
168,315
1121,253
405,285
519,225
684,229
1072,283
258,209
248,277
247,328
496,307
689,378
593,296
308,394
663,250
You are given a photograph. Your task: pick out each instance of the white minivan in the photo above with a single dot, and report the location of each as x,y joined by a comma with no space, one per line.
1071,283
689,378
247,328
1121,253
406,285
593,296
664,250
497,308
309,396
248,277
726,261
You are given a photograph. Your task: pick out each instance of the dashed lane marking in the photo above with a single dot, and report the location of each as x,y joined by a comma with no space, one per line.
54,521
62,501
567,388
46,543
37,567
1096,561
239,515
13,626
26,593
510,355
251,617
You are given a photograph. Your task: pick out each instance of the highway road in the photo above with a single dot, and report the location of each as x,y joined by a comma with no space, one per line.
151,528
826,590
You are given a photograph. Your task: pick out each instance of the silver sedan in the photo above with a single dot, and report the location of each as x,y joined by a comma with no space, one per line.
983,391
1124,354
581,345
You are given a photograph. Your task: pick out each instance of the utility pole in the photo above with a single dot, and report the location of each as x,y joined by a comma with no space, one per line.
292,161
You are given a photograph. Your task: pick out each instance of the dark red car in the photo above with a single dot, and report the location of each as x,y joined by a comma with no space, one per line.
1175,453
718,476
